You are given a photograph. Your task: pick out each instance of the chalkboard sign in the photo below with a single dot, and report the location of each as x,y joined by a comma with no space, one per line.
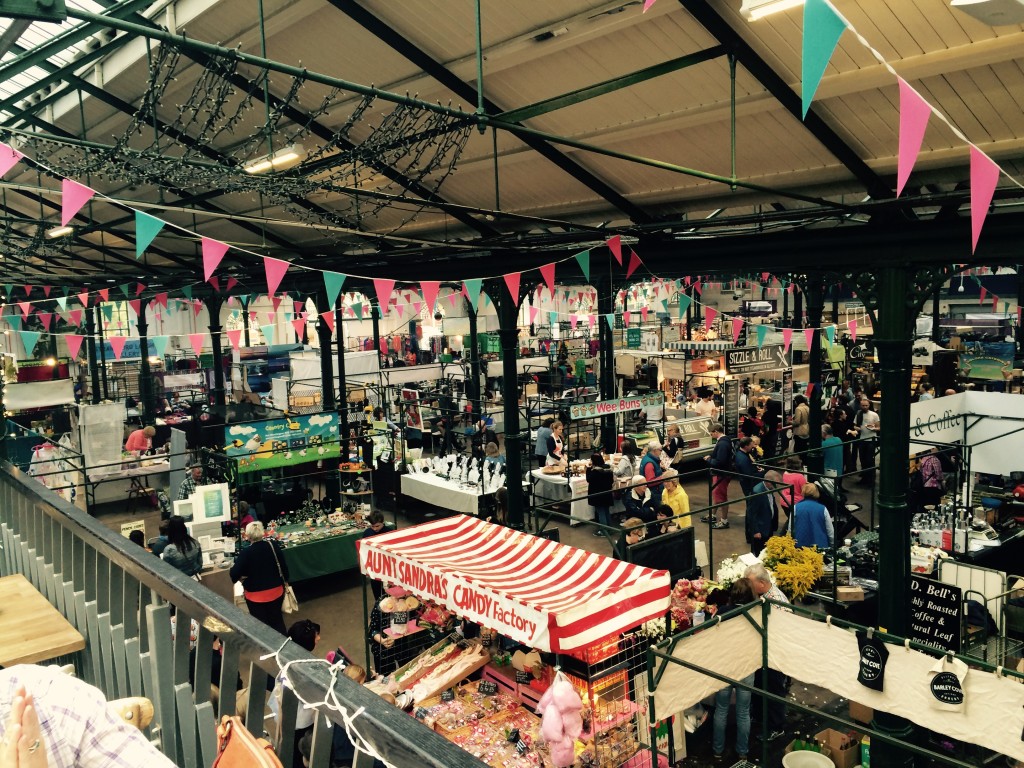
787,395
936,613
448,695
523,678
633,338
421,713
732,407
488,687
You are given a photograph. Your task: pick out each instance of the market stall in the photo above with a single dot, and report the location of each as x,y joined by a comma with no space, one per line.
547,597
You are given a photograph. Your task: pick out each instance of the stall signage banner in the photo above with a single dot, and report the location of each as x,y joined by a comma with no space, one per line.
695,429
939,420
259,445
601,408
633,338
132,350
830,377
508,617
992,361
754,359
936,610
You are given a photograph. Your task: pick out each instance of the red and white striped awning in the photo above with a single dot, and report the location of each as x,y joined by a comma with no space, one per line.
550,596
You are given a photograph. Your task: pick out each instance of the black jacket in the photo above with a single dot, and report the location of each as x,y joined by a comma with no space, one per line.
255,566
721,456
599,482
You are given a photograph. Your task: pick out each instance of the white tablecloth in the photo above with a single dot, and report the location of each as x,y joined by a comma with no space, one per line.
442,493
557,488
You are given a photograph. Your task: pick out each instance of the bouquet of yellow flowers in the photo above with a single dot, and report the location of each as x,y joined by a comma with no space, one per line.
795,568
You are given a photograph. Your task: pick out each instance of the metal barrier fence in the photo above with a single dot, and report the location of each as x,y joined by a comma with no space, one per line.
122,599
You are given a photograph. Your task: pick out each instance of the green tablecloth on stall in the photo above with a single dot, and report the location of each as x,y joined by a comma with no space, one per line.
321,557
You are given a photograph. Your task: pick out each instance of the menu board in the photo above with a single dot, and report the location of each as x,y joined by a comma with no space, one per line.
936,612
732,407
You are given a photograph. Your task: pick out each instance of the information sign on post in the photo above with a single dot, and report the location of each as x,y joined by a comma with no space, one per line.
732,407
633,338
936,613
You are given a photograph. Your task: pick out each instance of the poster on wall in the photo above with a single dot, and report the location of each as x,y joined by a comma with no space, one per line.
987,360
261,445
411,416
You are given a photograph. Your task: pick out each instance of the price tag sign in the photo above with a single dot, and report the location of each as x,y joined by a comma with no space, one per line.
448,695
523,678
421,713
488,687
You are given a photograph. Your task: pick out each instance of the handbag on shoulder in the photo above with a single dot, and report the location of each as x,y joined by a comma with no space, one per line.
290,603
237,748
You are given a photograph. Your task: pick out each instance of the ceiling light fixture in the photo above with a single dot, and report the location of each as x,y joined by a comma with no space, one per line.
60,232
282,159
753,10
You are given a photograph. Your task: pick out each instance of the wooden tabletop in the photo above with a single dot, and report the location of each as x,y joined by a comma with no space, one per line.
32,630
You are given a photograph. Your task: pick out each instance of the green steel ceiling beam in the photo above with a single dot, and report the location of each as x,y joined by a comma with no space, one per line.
610,86
96,22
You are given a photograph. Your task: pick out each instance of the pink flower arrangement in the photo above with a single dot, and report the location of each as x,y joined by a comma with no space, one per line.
687,598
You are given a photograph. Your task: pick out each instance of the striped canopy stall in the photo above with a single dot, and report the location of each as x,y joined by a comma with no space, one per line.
550,596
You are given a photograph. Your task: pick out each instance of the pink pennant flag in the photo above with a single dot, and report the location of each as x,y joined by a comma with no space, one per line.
625,318
430,289
914,114
45,318
235,337
136,305
698,288
548,273
634,262
984,177
615,246
809,336
573,321
46,290
737,328
139,288
73,197
161,298
534,311
400,308
787,338
26,307
417,307
995,303
328,318
452,298
648,4
590,320
196,340
383,288
643,314
215,283
230,284
74,342
75,317
117,344
105,294
852,325
982,294
299,306
213,252
83,298
710,313
9,158
789,288
299,324
276,302
197,307
275,269
28,290
512,283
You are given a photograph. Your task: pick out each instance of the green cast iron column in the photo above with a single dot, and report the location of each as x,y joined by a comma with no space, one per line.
606,376
145,374
893,342
815,311
375,313
472,356
508,332
339,332
213,305
90,350
98,319
332,486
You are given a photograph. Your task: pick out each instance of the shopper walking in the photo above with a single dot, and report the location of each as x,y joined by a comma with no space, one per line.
263,571
599,488
810,523
801,424
761,510
865,428
650,468
720,461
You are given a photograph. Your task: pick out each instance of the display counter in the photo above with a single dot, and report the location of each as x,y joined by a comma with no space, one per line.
310,553
559,488
447,494
125,479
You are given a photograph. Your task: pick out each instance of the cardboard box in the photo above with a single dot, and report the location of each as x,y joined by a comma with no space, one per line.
842,758
860,713
850,594
826,751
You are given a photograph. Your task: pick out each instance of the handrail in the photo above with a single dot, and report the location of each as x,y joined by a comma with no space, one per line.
98,577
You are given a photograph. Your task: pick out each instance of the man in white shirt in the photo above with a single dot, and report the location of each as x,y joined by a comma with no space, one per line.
706,406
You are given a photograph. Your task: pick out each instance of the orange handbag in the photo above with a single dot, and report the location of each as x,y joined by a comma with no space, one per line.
238,748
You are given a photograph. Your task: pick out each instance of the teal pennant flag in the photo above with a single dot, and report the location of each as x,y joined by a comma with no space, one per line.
684,304
583,259
472,287
146,229
822,30
29,339
610,319
333,281
268,333
158,345
762,331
